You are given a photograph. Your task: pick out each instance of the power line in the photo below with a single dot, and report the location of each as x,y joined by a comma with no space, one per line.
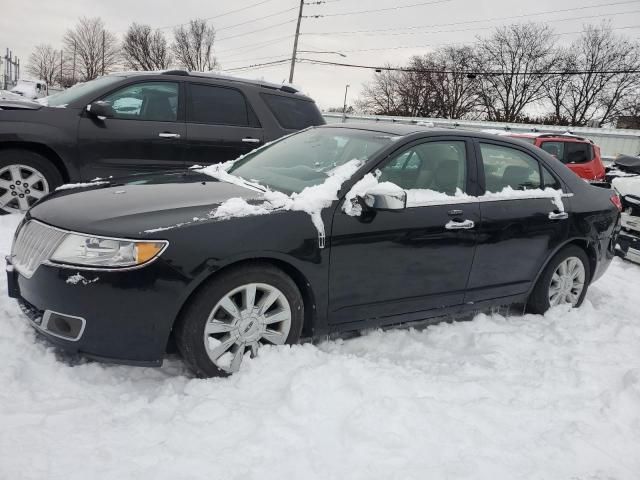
606,15
277,62
362,12
229,12
275,14
264,43
466,72
269,27
583,7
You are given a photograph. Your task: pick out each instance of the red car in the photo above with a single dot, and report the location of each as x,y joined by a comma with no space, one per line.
578,153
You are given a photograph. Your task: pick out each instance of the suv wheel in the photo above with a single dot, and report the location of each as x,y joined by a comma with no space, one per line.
234,315
564,281
25,177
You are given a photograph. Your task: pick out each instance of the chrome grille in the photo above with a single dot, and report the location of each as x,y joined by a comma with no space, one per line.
34,244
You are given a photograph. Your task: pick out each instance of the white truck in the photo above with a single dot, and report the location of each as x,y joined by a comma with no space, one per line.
31,89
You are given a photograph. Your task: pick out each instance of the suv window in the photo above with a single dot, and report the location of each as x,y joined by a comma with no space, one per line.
152,101
577,152
438,166
508,167
554,148
219,106
293,113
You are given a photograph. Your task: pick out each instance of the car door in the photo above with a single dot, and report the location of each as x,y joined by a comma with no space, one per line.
146,133
221,124
411,262
517,231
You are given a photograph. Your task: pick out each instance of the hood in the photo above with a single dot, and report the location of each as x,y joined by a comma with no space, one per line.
628,163
134,205
626,186
19,105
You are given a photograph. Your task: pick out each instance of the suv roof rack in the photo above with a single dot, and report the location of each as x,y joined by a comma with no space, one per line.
228,78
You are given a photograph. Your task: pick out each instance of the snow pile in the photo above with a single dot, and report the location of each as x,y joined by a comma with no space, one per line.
78,278
366,185
69,186
628,185
310,200
500,397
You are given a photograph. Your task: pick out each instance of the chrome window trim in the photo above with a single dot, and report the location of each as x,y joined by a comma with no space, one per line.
71,266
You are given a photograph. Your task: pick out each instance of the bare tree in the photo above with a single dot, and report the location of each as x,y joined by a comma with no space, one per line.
96,49
44,64
144,49
597,93
433,85
455,90
520,55
193,47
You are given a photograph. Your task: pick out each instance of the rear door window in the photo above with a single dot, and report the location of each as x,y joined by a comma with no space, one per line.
215,105
507,167
577,152
293,113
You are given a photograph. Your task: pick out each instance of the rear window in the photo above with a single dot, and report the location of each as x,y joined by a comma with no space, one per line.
577,152
293,113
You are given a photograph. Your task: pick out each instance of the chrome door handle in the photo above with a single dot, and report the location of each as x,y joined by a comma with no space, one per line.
251,140
558,215
464,225
169,135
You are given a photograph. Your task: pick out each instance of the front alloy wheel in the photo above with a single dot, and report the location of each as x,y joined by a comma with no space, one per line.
245,318
234,314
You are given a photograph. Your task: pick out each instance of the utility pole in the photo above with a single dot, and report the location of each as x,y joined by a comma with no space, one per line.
73,73
103,40
295,43
344,107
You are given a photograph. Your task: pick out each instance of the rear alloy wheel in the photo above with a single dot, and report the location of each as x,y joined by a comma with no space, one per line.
235,314
25,177
20,187
564,281
567,282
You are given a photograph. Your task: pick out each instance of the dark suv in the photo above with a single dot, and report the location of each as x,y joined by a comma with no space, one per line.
138,123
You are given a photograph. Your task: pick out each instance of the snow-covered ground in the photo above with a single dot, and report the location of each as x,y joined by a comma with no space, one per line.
527,397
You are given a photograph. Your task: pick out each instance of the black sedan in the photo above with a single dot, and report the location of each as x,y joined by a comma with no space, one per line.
333,229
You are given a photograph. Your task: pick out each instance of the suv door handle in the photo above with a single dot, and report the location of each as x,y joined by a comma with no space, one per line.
558,215
169,135
251,140
464,225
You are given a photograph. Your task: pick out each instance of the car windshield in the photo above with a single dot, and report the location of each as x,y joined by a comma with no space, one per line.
79,90
307,158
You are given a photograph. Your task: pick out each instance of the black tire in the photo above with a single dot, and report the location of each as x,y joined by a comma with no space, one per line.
189,328
539,299
33,160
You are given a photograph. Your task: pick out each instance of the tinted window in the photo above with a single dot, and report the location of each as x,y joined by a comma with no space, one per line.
577,152
218,106
293,113
153,101
508,167
438,166
554,148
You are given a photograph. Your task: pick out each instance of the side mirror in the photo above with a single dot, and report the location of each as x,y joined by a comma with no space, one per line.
101,110
385,200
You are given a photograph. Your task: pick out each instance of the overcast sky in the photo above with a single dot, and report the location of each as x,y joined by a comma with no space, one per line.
409,31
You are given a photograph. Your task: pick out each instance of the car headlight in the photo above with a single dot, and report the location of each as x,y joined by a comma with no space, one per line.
92,251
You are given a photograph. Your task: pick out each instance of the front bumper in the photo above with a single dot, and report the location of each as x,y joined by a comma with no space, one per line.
115,316
628,245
